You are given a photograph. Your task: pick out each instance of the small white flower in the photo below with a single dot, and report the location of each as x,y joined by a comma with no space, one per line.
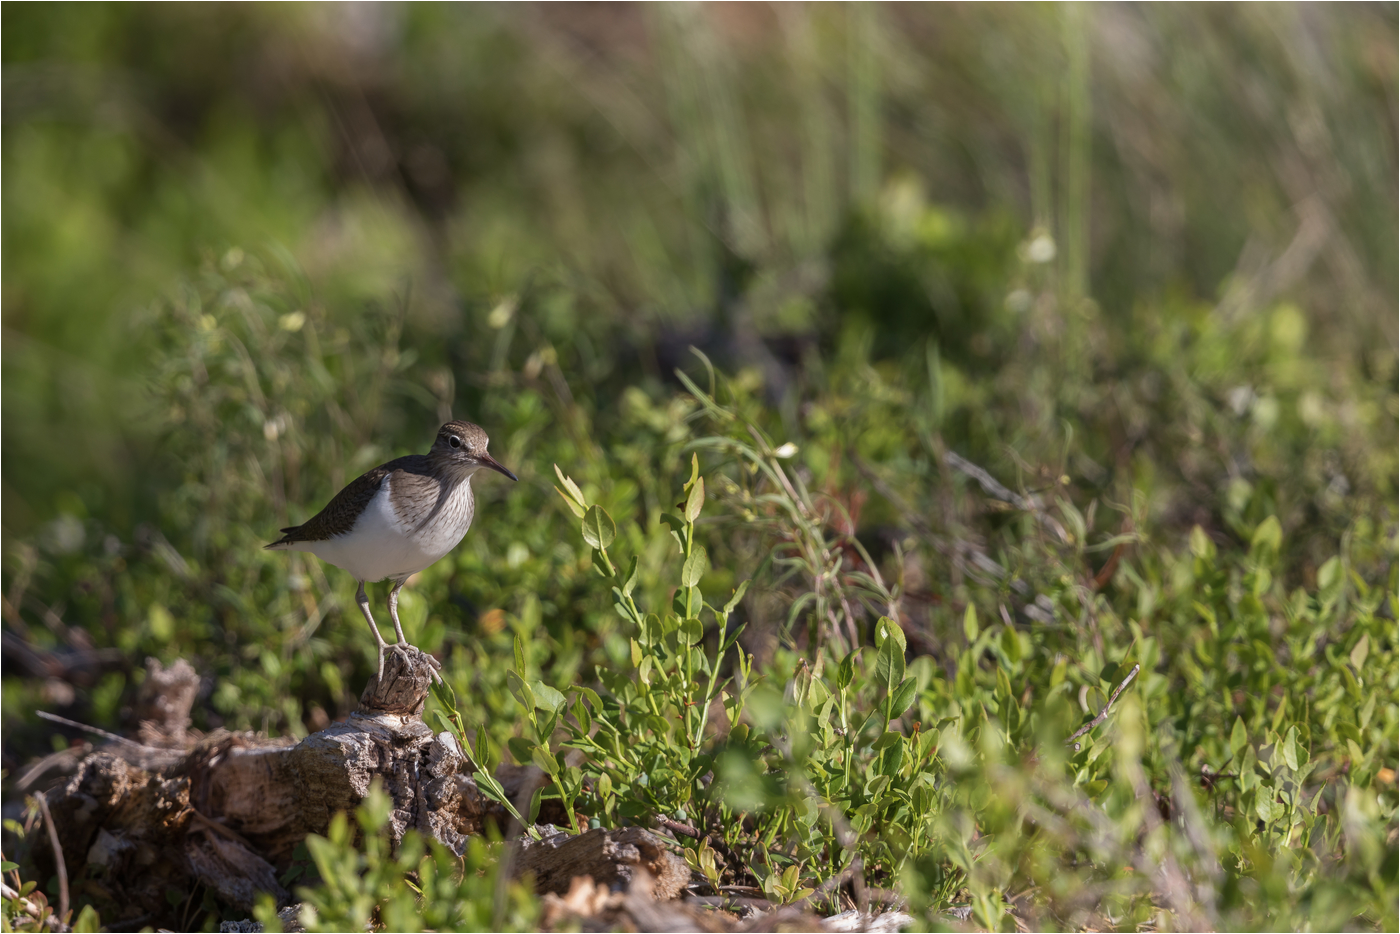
786,451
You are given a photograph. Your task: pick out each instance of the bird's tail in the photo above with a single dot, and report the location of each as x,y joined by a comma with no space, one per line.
286,541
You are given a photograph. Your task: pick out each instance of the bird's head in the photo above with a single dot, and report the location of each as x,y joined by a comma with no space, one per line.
464,446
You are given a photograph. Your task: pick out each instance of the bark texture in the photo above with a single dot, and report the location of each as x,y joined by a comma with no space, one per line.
613,858
139,820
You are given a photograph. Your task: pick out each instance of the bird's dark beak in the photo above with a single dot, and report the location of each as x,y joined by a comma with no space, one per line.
488,461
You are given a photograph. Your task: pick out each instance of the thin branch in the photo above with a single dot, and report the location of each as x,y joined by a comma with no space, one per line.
676,826
45,715
989,484
1102,713
57,858
31,774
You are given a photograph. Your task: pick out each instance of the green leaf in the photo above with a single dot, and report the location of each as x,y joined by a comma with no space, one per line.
695,567
520,690
483,747
1011,644
624,609
574,507
444,694
7,866
695,501
885,740
889,664
891,759
970,623
631,581
691,630
87,921
732,638
734,600
540,756
847,671
1238,736
546,697
570,485
903,697
1201,545
1359,651
598,527
1289,748
886,628
521,748
592,697
1268,536
1003,688
1264,804
1329,574
519,646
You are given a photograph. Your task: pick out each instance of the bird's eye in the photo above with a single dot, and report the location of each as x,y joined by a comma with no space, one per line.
455,441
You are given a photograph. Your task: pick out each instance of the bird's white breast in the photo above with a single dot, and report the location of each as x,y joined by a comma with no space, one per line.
381,544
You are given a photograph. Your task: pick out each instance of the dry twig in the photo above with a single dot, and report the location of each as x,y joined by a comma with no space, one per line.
59,863
1102,713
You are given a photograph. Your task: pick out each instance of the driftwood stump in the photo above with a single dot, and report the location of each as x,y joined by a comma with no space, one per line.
140,820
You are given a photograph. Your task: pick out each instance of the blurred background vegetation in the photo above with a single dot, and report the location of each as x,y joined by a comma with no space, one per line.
1136,260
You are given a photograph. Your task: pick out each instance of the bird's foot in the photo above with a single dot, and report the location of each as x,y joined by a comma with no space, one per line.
407,650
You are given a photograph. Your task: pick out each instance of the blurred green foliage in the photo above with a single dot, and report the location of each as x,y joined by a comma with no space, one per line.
405,887
1136,263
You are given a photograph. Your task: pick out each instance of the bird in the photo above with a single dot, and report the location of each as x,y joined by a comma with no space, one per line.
397,519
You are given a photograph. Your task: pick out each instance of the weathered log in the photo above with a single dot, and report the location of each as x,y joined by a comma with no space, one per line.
589,906
613,858
139,821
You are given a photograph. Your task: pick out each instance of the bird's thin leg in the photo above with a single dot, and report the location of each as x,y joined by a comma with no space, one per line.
363,600
402,644
394,610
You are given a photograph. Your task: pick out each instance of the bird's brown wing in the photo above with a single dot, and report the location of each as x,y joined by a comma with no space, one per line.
341,512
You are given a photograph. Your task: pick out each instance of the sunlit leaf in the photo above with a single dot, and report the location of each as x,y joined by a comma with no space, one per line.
598,527
695,567
1359,651
970,623
695,501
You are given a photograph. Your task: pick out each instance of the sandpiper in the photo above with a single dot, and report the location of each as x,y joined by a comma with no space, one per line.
398,518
